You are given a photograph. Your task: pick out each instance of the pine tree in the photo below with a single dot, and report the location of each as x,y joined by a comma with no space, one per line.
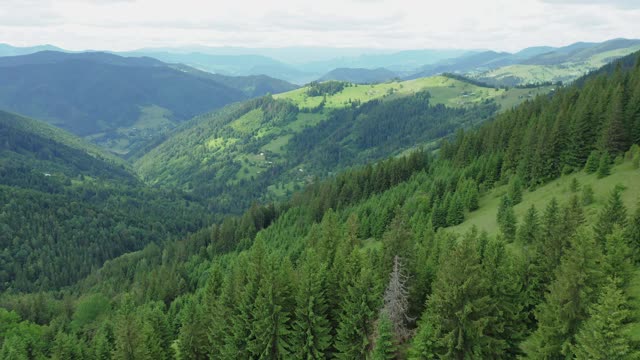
424,343
618,256
103,342
455,213
311,327
385,347
614,212
127,333
507,219
66,347
505,276
587,195
515,190
633,233
459,309
615,139
270,333
472,198
356,317
572,217
604,166
239,335
156,333
529,231
565,307
192,339
396,241
602,336
575,185
593,162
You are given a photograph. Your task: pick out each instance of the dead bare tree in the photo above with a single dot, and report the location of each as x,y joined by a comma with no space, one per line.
396,300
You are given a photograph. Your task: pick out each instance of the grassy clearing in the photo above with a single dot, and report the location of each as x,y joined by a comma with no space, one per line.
276,145
443,90
249,122
485,217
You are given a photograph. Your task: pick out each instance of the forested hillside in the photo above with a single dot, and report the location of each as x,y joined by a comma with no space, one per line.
66,207
267,148
117,102
367,264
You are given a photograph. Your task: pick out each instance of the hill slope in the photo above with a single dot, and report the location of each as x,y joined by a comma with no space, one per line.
266,148
66,207
113,101
563,64
359,75
358,254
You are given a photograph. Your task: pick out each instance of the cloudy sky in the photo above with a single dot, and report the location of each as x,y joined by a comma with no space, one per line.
399,24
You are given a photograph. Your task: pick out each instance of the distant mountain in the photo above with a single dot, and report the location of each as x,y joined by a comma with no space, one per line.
297,65
563,64
533,51
580,52
117,102
360,76
400,61
250,85
469,63
8,50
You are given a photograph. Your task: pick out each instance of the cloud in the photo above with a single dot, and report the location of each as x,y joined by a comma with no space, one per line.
623,4
392,24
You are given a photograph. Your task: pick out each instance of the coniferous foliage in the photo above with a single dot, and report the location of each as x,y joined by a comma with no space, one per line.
318,276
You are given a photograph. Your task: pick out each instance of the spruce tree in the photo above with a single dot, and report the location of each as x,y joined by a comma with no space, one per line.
455,213
505,276
604,166
529,231
127,332
587,195
515,190
459,310
192,339
575,185
506,219
572,217
472,197
424,344
311,328
270,332
615,134
565,307
103,342
618,256
602,336
355,320
66,347
633,233
384,347
613,213
593,162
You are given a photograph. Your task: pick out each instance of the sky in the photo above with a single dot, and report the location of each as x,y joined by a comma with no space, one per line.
505,25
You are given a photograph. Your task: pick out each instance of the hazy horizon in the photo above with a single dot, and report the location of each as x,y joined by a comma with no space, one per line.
380,25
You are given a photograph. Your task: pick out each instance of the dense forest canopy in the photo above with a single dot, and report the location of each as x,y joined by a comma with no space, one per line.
368,264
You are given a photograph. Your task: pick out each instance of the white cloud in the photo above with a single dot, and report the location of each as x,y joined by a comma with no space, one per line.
402,24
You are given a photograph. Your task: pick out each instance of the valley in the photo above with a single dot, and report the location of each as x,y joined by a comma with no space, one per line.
243,200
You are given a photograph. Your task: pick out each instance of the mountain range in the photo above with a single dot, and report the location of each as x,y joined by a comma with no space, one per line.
431,218
118,102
